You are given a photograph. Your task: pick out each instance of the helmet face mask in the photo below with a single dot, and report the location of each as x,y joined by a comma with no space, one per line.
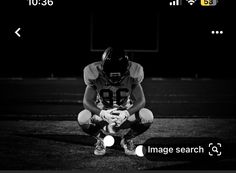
115,64
114,77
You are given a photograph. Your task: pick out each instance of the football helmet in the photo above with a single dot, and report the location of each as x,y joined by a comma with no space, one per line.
115,64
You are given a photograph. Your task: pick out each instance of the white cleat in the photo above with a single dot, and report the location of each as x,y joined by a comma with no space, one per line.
100,148
128,146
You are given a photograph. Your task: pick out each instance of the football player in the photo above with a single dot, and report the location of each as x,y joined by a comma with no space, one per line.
114,100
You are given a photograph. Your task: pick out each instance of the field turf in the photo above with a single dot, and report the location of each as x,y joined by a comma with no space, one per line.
39,131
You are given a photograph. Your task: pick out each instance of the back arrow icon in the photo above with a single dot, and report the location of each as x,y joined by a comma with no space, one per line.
17,32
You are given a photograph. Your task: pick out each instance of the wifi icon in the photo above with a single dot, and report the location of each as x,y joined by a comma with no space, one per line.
191,2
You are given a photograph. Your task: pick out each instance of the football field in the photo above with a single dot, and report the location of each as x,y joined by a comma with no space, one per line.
39,131
61,145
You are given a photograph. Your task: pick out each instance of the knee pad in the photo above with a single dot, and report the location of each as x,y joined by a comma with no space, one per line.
146,116
84,117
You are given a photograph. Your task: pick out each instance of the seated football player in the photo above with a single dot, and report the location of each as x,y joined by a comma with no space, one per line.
114,100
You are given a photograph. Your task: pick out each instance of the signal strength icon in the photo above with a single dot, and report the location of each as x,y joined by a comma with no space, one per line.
175,3
191,2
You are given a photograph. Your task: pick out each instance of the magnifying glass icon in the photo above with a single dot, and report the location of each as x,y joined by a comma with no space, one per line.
214,149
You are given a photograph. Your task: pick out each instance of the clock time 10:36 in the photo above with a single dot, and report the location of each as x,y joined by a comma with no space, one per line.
40,2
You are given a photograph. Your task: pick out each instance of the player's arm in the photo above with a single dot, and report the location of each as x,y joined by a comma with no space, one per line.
138,95
89,100
139,99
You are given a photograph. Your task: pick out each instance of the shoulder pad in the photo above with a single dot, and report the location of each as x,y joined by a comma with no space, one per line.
91,72
136,71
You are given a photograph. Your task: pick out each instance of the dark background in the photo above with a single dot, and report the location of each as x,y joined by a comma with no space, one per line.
56,42
61,39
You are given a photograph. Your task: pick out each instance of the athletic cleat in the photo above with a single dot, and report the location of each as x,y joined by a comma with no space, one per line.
100,148
128,146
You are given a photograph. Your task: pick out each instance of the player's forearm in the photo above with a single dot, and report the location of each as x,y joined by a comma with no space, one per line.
138,104
91,106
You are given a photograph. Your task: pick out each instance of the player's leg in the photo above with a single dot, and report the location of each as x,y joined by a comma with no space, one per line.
92,125
138,124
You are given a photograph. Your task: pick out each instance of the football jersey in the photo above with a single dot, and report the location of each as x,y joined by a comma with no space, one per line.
109,96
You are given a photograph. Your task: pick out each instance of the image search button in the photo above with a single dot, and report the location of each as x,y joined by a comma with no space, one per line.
214,150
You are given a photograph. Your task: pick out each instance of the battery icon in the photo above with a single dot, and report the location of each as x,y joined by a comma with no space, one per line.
209,2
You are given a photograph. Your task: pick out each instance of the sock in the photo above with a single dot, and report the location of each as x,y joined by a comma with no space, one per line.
136,129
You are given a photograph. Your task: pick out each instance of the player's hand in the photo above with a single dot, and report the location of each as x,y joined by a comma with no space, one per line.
123,115
107,116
